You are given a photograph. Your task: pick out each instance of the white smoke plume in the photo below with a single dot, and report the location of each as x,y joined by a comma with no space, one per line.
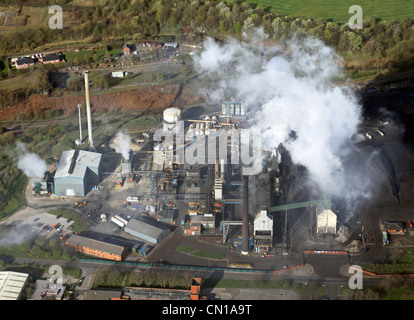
301,107
122,144
30,163
16,235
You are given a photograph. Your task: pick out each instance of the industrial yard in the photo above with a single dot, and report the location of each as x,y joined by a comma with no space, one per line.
142,196
185,192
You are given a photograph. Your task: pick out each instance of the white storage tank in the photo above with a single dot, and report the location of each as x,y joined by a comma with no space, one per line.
190,133
170,118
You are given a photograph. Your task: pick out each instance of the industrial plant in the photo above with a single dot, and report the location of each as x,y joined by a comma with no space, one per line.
189,176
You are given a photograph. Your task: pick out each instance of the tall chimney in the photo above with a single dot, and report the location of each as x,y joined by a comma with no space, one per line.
245,221
88,111
80,123
216,169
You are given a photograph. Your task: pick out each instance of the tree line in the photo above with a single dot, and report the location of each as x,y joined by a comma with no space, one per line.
193,20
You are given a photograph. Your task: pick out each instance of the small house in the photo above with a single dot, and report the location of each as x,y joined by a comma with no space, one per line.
24,62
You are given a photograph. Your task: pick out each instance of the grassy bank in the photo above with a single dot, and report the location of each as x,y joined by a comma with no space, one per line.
405,265
201,253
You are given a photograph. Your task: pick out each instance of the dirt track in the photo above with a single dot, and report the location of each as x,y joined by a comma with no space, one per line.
149,98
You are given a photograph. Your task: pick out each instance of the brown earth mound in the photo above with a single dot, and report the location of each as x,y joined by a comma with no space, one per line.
154,98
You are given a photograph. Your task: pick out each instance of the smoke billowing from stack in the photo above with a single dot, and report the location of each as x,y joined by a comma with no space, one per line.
301,107
122,145
30,163
88,111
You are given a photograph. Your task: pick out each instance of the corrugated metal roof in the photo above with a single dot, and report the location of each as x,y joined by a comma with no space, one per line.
95,244
144,228
74,164
11,284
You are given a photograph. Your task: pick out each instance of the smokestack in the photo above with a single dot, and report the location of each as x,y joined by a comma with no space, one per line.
216,169
80,123
245,226
88,111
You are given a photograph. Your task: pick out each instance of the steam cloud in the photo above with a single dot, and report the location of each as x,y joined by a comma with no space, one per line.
301,107
30,163
16,235
123,144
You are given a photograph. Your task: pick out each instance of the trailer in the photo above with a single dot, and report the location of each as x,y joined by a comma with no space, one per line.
118,222
125,222
144,250
135,248
132,199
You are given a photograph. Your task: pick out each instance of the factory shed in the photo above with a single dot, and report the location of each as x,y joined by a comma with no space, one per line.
48,289
12,285
145,231
394,227
167,215
97,248
78,171
192,228
326,222
263,231
99,294
207,220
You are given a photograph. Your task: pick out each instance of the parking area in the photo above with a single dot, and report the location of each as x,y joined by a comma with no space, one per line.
40,222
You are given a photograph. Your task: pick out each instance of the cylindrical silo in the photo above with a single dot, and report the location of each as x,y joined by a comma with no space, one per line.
170,118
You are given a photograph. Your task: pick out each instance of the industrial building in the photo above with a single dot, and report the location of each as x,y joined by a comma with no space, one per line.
12,285
139,293
216,186
394,227
97,248
206,220
48,289
77,172
192,228
101,294
263,231
326,222
167,215
146,231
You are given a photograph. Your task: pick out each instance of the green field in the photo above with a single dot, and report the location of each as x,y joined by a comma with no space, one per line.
338,10
201,253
